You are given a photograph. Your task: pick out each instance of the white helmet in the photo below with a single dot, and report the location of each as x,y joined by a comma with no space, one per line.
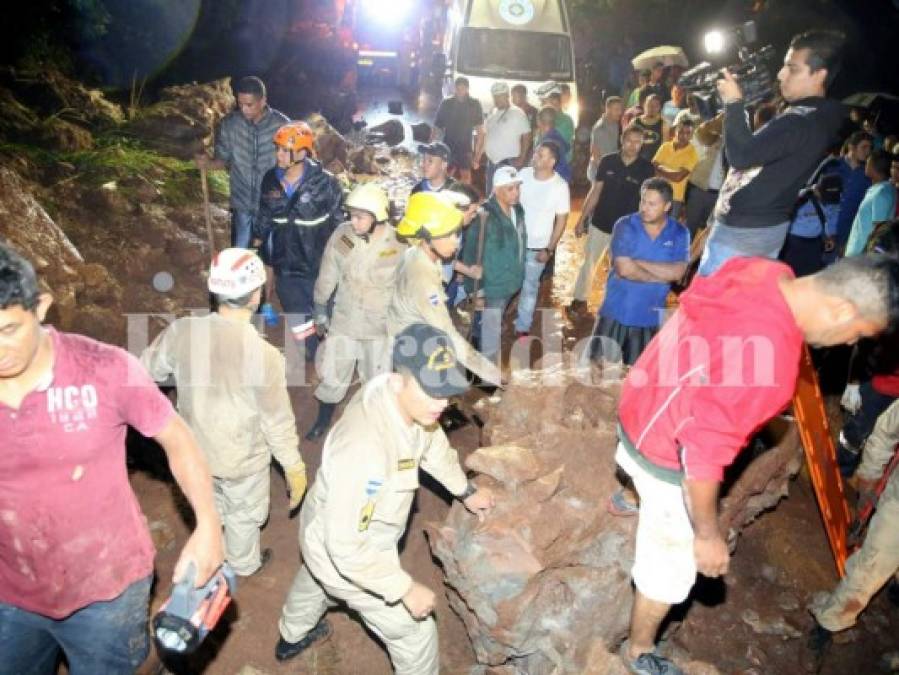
235,272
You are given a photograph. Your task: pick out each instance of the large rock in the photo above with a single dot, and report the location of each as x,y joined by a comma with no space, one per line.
183,121
26,226
330,144
543,585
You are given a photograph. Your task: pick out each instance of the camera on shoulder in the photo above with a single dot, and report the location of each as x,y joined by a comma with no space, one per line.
751,69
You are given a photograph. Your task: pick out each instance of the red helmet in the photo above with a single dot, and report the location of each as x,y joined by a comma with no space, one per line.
295,136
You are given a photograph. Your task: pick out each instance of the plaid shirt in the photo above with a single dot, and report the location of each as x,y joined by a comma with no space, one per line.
249,152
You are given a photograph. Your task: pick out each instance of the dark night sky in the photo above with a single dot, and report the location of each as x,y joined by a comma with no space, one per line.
203,39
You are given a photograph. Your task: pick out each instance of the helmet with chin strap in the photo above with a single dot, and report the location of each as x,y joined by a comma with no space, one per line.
371,198
430,215
295,136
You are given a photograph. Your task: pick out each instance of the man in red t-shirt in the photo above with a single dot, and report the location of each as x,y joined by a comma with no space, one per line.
724,364
76,558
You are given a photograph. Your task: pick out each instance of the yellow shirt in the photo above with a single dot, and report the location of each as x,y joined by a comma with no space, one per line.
675,160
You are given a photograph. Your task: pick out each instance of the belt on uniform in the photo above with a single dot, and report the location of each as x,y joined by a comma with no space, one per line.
662,473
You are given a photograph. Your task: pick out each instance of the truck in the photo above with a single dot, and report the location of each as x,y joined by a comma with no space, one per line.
515,41
387,40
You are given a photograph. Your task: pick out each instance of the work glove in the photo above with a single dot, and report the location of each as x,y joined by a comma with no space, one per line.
322,321
852,398
296,483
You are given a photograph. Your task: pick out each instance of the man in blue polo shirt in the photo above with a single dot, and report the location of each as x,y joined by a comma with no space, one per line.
650,250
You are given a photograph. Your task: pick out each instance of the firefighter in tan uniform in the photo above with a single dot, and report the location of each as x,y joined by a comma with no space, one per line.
357,509
360,262
432,223
232,392
876,563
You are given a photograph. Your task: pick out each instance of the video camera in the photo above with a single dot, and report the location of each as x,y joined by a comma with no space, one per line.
751,70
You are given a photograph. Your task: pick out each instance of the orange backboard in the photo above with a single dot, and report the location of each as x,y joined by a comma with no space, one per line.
811,418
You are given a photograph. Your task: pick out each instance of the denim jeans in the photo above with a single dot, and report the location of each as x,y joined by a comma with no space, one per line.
241,228
527,301
488,326
726,242
104,638
296,296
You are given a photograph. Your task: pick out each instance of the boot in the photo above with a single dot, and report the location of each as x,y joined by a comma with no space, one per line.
323,421
817,644
285,650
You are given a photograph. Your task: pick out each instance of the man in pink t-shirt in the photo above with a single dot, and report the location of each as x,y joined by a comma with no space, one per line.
721,367
76,558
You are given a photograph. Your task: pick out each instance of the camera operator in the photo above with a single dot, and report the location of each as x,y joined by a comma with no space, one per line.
770,166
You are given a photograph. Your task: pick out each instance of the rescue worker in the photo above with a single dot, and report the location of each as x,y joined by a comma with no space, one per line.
432,223
360,262
232,392
877,561
299,208
358,506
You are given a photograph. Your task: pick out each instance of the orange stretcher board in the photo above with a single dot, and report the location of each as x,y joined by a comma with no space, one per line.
820,454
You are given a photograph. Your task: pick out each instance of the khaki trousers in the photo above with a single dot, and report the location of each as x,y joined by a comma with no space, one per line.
243,505
869,568
412,644
597,240
338,359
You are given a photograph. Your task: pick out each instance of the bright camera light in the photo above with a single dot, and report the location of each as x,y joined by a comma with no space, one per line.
375,10
714,41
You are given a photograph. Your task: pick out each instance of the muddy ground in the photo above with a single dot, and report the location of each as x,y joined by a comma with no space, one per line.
746,624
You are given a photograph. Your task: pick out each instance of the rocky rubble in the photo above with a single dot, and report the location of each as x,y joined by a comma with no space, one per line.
543,585
182,122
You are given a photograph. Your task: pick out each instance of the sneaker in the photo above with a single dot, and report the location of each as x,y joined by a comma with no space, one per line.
264,558
618,505
285,650
817,644
648,663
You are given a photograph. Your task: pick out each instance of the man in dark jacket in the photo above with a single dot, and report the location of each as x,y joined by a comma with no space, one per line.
769,167
299,208
242,145
501,268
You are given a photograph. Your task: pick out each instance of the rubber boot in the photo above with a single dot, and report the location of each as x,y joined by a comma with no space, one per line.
323,421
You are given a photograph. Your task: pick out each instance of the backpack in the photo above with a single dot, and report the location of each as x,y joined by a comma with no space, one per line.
824,187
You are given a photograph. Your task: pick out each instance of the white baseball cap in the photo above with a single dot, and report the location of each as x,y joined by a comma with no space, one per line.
499,88
505,175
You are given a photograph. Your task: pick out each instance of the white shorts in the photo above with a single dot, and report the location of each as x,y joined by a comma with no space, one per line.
664,563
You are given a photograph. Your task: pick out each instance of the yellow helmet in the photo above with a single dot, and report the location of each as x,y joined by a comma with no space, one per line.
429,215
369,197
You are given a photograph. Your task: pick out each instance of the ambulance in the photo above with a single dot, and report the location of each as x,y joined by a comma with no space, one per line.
516,41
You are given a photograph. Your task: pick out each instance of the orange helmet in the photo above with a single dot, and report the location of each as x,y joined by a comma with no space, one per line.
295,136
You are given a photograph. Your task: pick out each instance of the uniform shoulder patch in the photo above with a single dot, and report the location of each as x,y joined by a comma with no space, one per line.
345,244
406,464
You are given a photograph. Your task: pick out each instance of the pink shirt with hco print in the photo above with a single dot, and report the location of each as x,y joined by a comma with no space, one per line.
71,530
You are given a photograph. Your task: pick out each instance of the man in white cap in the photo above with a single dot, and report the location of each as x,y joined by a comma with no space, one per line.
232,392
501,267
358,506
507,137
